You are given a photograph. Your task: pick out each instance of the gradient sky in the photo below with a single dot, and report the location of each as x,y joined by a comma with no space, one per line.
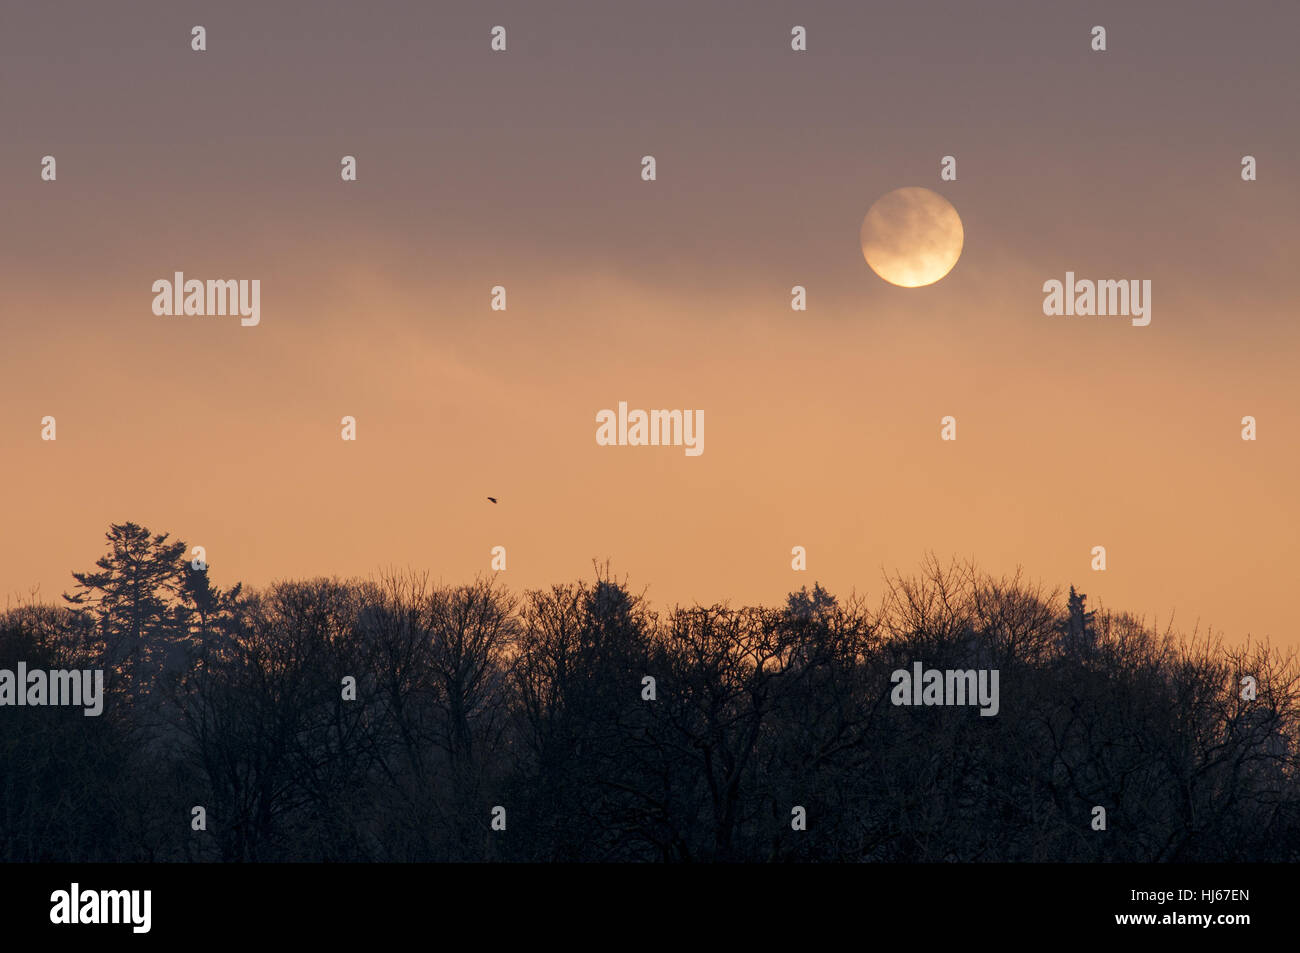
523,169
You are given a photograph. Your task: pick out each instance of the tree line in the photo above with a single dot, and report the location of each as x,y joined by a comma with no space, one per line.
384,719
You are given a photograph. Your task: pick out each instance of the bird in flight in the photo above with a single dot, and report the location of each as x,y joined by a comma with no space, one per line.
492,498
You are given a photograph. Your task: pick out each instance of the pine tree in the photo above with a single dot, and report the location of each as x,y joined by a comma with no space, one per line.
132,601
1079,634
204,607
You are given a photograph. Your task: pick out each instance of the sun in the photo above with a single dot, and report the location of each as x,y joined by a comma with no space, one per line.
912,237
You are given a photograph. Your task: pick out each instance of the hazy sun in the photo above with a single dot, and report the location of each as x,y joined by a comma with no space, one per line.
912,237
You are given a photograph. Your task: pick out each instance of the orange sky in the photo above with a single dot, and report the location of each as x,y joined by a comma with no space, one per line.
523,170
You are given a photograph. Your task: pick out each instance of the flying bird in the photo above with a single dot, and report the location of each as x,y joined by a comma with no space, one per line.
492,498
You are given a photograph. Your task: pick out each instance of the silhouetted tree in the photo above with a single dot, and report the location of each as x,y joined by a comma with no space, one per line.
382,720
132,599
1078,636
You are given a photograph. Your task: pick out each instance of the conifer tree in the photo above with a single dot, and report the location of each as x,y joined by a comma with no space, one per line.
132,601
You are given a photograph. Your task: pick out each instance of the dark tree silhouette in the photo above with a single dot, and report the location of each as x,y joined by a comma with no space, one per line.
385,719
132,599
